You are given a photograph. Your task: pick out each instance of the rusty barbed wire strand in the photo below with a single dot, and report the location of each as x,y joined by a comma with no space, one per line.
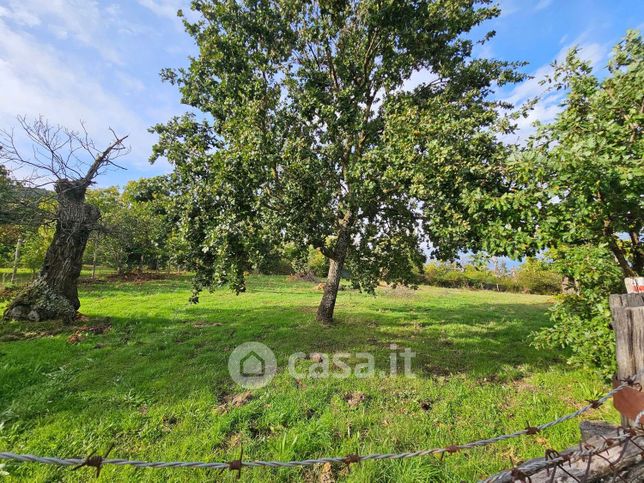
234,465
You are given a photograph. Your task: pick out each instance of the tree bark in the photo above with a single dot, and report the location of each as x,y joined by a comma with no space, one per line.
327,304
16,260
54,293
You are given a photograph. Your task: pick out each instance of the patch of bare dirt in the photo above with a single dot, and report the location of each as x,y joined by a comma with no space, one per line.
91,281
138,277
316,357
169,422
303,277
81,326
85,330
202,324
234,401
399,291
326,473
354,399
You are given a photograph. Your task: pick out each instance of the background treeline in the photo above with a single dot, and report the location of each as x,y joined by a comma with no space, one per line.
135,230
533,276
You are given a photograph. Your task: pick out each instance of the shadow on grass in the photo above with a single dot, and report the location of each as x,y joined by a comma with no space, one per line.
482,340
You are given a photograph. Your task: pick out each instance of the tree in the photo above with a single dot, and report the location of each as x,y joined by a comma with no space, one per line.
577,189
580,179
107,201
311,138
70,161
20,217
581,316
146,200
134,228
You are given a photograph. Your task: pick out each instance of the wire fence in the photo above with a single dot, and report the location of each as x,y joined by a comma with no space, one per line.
557,462
97,461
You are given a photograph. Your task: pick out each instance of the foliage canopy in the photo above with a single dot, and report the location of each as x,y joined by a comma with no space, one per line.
580,179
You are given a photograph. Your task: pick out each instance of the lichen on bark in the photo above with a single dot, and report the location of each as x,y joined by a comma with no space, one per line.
38,302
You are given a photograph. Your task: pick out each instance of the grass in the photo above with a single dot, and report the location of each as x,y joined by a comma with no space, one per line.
157,383
24,275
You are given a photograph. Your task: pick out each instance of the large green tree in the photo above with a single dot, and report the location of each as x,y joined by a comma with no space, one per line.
309,136
576,187
580,179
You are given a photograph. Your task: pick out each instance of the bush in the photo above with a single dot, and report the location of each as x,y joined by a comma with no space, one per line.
275,266
582,318
535,276
318,264
532,277
294,261
444,274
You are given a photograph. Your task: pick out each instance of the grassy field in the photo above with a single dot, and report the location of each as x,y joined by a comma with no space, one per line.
156,384
24,275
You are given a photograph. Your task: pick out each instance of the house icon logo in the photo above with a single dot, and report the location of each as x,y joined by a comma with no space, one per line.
252,365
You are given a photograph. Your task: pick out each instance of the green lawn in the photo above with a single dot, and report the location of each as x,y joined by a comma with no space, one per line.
24,275
155,385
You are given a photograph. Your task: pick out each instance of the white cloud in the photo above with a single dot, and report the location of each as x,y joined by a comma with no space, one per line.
81,20
417,78
38,79
543,4
549,104
164,8
509,7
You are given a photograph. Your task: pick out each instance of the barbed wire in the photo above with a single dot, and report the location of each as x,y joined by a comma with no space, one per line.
236,465
556,460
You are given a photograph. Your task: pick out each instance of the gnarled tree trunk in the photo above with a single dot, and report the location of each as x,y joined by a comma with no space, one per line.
54,293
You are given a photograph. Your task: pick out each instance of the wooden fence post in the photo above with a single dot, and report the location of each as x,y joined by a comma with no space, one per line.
627,312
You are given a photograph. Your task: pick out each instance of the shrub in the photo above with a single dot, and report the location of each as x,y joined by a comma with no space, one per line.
532,277
535,276
317,264
275,266
582,318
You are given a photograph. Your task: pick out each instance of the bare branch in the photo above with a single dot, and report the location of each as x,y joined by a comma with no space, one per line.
57,153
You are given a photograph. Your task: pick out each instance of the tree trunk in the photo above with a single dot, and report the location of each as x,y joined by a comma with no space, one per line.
327,304
54,293
620,256
16,260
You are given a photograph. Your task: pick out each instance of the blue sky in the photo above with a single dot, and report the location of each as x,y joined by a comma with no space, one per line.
99,61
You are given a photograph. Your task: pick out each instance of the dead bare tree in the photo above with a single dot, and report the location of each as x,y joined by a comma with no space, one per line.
70,161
